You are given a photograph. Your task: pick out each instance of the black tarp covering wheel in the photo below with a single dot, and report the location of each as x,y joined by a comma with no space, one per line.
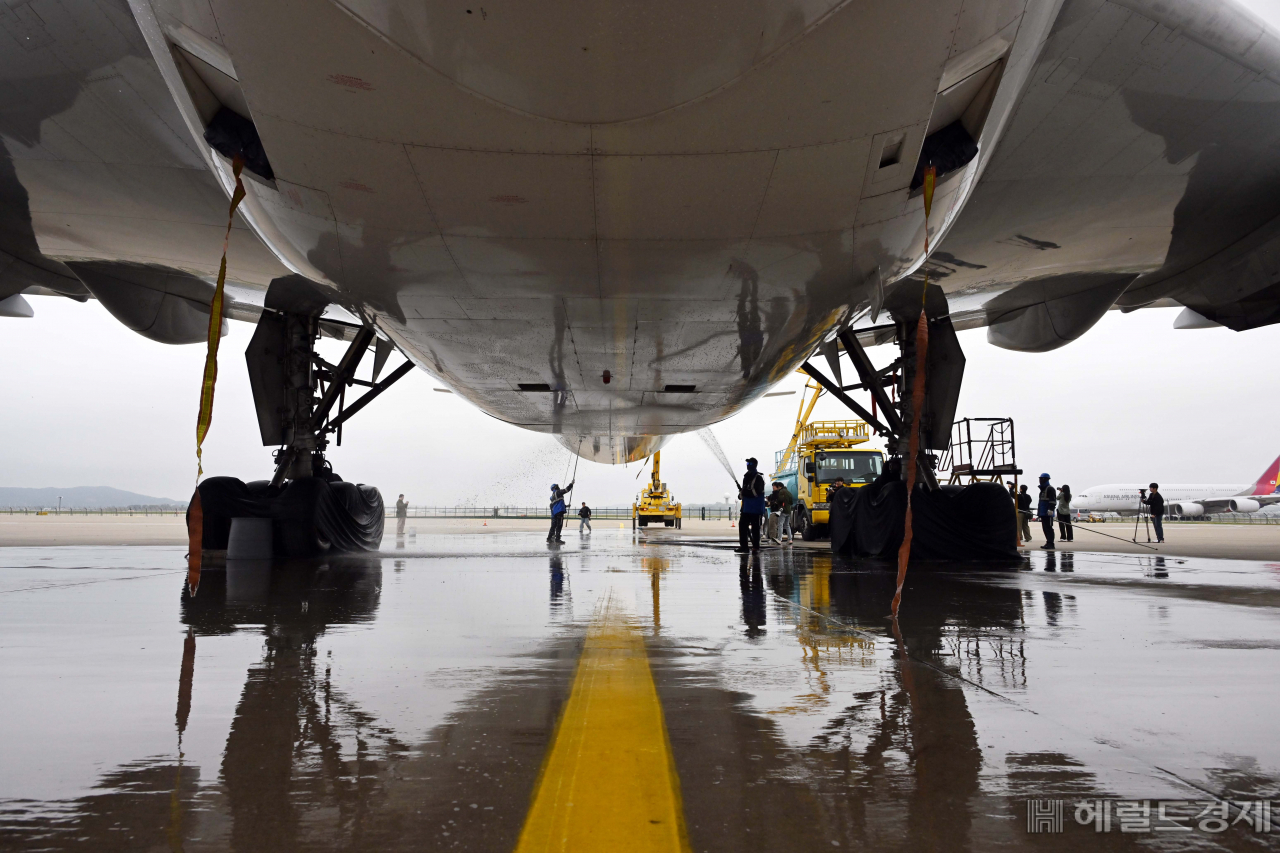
953,523
309,516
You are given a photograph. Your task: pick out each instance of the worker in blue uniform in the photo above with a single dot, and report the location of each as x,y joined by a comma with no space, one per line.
751,493
558,509
1046,509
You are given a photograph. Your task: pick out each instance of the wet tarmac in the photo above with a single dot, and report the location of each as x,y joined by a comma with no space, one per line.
489,694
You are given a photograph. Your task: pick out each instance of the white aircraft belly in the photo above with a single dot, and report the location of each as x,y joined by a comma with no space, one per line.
515,210
694,199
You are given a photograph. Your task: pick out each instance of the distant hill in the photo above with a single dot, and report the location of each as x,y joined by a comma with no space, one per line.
80,497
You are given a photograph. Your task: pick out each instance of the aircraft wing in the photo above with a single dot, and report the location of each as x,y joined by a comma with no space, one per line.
1215,505
1132,173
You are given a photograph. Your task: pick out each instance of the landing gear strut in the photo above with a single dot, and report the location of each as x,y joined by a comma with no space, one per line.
944,371
301,402
295,390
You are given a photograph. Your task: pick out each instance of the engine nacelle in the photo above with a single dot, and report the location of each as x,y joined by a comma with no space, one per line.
1189,510
1244,505
167,306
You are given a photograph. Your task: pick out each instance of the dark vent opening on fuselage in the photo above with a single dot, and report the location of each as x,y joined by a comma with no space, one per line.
947,150
680,389
534,386
232,135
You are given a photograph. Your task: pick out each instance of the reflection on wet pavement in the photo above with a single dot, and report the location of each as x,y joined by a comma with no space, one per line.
441,698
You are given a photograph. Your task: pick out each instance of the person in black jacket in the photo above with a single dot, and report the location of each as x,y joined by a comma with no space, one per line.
1065,531
1024,513
585,515
1155,504
751,493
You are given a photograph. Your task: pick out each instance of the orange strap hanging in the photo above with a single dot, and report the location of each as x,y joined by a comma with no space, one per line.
215,325
195,542
917,398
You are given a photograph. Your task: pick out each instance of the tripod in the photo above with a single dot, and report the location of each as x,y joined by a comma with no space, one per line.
1142,515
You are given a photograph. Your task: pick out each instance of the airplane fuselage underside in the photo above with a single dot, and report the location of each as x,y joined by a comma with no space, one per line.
624,222
620,222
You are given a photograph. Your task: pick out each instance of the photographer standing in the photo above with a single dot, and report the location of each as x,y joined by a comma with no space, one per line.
1065,533
1024,513
1155,504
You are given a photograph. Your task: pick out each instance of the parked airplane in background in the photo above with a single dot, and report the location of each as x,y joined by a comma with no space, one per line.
1186,499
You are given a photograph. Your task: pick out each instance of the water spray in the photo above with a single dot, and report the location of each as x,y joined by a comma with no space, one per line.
709,439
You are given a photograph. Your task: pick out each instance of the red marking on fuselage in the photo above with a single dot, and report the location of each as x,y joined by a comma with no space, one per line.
348,82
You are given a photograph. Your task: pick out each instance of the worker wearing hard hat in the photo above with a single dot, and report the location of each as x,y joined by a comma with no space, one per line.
558,509
1046,509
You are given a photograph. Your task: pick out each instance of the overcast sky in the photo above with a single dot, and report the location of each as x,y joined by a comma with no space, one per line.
90,403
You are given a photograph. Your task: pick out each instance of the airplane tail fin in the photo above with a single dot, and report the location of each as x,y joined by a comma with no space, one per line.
1267,483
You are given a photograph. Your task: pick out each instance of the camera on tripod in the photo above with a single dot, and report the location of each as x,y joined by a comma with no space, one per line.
1142,515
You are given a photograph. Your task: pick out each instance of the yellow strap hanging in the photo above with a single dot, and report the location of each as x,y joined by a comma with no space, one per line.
215,325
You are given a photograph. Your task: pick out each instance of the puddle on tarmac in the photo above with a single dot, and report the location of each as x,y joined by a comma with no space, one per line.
407,699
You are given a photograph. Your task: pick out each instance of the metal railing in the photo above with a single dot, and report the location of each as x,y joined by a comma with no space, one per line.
994,455
704,513
817,432
1217,518
109,510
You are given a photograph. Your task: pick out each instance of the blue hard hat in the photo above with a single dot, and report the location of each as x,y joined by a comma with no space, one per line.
557,485
1044,476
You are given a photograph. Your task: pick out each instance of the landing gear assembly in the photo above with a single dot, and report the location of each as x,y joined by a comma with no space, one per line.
974,522
944,372
301,401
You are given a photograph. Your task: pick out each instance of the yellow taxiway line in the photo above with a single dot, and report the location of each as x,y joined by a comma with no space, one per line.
609,782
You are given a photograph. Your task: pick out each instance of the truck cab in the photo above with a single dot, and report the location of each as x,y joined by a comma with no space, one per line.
823,451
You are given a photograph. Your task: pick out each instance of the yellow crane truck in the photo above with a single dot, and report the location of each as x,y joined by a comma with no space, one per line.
819,452
656,505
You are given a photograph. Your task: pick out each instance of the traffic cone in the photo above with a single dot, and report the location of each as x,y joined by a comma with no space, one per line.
486,524
731,524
